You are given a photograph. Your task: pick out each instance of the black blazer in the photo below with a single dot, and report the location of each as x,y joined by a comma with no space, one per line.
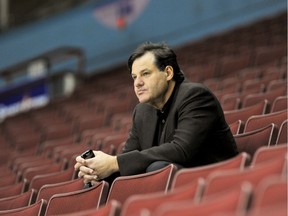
195,133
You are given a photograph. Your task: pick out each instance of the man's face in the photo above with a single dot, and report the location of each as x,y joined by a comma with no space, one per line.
150,84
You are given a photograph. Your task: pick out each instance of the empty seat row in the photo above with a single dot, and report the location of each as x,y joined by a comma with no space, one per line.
230,183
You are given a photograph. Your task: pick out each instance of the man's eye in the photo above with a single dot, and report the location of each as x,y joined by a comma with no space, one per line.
145,74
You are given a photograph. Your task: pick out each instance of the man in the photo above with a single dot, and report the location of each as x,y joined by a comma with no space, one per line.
176,121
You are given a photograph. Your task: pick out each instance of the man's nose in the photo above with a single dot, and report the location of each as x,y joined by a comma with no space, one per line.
138,82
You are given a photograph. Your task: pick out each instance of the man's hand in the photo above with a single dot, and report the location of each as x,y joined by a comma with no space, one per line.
96,168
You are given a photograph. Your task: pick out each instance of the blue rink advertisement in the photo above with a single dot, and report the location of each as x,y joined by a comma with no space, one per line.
19,98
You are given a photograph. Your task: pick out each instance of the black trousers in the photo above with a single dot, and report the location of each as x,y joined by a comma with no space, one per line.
159,165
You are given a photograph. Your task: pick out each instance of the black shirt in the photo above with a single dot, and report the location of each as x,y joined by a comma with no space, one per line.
162,116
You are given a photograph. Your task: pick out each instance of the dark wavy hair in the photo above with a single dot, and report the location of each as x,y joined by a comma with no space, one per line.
164,56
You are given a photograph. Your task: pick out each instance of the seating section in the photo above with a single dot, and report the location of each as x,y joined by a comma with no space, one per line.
246,69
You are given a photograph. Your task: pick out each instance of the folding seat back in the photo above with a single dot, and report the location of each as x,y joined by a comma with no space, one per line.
18,201
266,153
237,127
270,198
65,152
277,83
234,200
30,165
280,210
253,99
15,155
87,135
113,208
252,86
187,176
12,190
5,155
97,139
223,180
33,171
244,113
271,191
8,180
36,209
259,121
262,82
125,186
280,103
39,180
136,203
49,145
249,142
111,143
74,201
21,160
282,134
230,85
231,103
48,190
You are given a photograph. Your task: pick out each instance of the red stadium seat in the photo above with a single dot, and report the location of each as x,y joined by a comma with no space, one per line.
270,194
223,180
282,134
37,208
186,176
18,201
249,142
136,203
125,186
267,153
234,200
48,190
70,202
237,127
244,113
280,103
259,121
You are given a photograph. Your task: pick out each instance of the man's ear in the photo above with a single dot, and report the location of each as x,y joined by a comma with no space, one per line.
169,72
